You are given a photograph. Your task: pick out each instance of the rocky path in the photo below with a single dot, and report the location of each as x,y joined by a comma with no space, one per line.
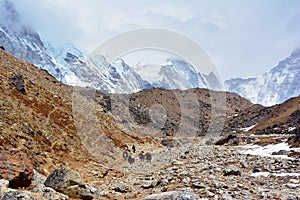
214,172
197,172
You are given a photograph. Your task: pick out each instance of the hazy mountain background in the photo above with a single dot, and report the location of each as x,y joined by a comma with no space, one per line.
72,66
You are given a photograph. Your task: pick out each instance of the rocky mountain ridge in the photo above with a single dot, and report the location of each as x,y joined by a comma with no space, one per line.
273,87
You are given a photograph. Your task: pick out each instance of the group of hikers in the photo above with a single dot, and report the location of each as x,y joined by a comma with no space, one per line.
127,155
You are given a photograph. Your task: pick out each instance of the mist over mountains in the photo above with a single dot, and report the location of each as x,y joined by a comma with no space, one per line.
72,66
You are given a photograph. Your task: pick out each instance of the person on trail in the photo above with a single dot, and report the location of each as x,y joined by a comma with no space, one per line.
133,149
125,154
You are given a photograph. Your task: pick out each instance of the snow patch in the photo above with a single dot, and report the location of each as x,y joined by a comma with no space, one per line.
248,128
291,129
265,174
287,174
268,150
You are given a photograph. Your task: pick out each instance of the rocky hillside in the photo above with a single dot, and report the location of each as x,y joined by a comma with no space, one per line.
37,117
179,111
48,130
279,119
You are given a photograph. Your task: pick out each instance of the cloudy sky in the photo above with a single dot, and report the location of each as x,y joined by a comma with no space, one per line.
244,38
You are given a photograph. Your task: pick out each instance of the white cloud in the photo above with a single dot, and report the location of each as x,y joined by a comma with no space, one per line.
244,38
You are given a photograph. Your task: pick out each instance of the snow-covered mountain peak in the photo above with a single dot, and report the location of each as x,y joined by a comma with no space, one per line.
176,74
279,84
70,65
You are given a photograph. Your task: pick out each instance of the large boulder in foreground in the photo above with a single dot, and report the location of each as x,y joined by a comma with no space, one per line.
176,195
69,183
16,167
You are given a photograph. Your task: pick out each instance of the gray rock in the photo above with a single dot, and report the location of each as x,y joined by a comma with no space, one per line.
39,193
93,190
69,183
130,196
4,184
231,170
150,184
49,193
209,194
60,179
292,197
78,191
22,195
121,187
256,169
244,164
281,152
226,197
164,182
197,185
18,80
176,195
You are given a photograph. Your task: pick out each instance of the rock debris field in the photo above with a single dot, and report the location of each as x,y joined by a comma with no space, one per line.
203,172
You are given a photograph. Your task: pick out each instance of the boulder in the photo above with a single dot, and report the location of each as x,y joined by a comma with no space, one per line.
4,184
197,185
47,192
225,140
19,83
178,195
60,179
69,183
121,187
231,170
79,191
281,152
16,167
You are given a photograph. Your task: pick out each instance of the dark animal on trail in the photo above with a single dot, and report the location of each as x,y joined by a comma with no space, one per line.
148,157
142,156
130,159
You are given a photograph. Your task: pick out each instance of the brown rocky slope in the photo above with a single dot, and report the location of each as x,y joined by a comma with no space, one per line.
36,116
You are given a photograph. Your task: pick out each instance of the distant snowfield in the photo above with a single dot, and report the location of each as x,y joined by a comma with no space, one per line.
267,150
149,72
